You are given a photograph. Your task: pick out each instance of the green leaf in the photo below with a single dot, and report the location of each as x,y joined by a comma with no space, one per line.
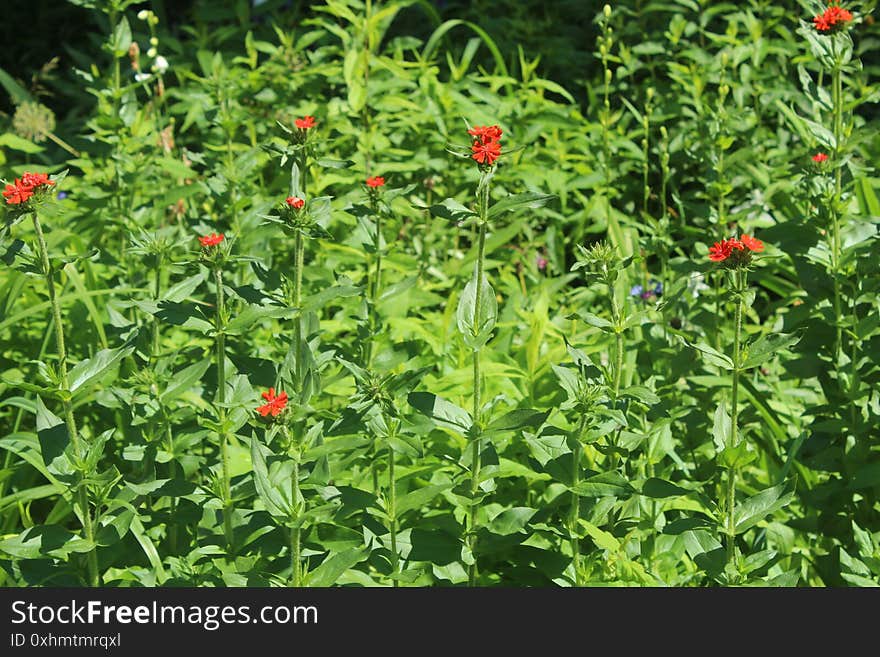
332,568
641,394
121,39
277,503
29,494
765,347
92,370
721,427
595,320
452,210
705,550
43,541
603,485
444,413
149,548
184,380
419,497
516,420
660,488
55,447
756,508
13,141
180,291
515,201
16,92
713,357
329,163
602,539
548,448
244,320
511,521
476,328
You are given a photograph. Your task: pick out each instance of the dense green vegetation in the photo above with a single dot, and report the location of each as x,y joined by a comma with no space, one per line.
638,348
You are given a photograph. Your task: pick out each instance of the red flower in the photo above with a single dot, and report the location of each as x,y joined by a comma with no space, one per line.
305,123
211,240
486,133
752,243
35,179
486,152
721,251
487,143
819,158
22,189
833,18
17,193
276,403
375,181
295,202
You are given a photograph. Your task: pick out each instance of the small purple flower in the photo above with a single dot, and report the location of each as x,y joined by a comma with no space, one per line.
541,262
637,291
658,288
61,196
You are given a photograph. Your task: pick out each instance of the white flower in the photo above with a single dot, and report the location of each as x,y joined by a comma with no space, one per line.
696,285
140,77
160,65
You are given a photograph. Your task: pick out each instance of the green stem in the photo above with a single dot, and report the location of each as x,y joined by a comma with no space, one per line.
477,439
646,190
295,532
365,113
392,517
220,327
377,276
157,284
576,503
618,341
837,101
740,278
172,468
295,528
81,489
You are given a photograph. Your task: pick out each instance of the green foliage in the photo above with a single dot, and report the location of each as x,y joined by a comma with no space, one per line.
597,449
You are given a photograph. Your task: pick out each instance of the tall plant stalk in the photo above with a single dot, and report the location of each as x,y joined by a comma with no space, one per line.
739,276
476,445
220,349
375,284
295,532
575,513
392,513
82,495
837,104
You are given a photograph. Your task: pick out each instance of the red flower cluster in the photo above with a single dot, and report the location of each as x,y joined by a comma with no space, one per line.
738,249
375,182
275,403
487,144
819,158
295,202
23,188
832,19
305,123
211,240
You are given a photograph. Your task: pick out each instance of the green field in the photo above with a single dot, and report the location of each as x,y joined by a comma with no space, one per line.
416,293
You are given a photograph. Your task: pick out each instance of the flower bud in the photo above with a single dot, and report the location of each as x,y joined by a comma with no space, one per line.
607,11
143,14
151,52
